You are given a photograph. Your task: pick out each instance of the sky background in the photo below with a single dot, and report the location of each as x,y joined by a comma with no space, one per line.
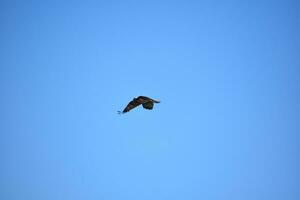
226,72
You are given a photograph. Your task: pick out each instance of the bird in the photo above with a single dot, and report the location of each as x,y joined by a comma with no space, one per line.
147,103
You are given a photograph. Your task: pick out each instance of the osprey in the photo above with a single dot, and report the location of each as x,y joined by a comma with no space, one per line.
147,103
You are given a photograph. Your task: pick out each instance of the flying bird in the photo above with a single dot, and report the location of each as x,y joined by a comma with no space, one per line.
147,103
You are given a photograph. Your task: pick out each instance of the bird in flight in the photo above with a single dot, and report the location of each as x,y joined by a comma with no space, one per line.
147,103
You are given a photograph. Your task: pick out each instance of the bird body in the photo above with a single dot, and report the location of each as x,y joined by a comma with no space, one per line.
147,103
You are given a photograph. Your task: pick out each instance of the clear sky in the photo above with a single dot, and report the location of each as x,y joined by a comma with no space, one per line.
227,74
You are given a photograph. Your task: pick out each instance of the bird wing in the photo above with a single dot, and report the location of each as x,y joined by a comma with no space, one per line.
147,99
134,103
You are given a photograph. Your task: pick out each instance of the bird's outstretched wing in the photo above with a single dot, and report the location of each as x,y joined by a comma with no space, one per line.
134,103
145,101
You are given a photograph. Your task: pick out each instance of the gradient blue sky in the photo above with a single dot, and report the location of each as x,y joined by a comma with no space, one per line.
227,73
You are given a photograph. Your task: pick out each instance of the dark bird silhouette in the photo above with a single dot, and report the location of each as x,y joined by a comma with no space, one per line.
147,103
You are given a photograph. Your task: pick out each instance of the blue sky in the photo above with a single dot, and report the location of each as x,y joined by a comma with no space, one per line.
227,73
